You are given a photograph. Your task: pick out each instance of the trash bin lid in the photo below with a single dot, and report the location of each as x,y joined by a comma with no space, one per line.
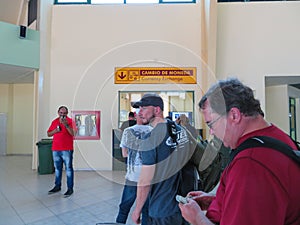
45,141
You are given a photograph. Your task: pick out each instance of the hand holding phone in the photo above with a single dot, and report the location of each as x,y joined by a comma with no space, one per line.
181,199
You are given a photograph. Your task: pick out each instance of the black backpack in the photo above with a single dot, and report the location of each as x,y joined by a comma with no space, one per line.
188,173
210,175
269,142
207,162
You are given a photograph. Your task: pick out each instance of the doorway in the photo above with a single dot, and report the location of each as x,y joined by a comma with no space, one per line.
3,133
175,103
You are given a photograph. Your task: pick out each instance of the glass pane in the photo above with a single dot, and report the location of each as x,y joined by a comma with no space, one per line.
293,101
71,1
292,117
142,1
107,1
174,1
293,135
175,103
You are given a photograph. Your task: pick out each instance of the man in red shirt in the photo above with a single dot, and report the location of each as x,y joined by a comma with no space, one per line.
63,130
261,185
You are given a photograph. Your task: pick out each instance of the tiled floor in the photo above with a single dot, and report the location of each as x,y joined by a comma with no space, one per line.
24,196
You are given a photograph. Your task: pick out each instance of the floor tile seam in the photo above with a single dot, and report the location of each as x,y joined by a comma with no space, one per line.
82,209
38,200
60,220
79,207
56,215
12,207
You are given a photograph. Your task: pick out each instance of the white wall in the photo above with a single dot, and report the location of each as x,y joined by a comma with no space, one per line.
277,109
42,77
88,42
86,49
256,39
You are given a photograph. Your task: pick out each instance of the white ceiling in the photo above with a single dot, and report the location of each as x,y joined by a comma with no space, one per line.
280,80
15,74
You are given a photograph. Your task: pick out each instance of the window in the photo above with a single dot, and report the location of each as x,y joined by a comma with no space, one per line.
71,1
32,11
253,0
120,1
106,1
175,103
292,117
142,1
178,1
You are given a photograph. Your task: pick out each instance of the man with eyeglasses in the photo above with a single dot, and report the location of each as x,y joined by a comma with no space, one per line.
260,186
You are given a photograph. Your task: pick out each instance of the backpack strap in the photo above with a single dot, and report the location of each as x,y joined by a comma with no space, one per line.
268,142
172,130
188,174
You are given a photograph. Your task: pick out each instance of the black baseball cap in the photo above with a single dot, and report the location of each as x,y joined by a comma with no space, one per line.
149,99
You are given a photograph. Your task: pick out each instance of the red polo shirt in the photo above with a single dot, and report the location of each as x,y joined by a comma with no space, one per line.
62,140
260,186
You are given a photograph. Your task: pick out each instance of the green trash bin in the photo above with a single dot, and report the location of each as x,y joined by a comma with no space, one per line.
45,157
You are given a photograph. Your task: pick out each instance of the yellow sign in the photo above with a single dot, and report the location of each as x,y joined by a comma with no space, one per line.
155,75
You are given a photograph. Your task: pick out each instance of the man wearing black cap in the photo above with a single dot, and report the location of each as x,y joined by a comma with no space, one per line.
163,155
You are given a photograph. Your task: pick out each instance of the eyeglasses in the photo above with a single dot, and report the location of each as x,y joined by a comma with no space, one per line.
211,123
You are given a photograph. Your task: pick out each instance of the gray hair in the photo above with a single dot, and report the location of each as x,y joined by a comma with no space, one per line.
229,93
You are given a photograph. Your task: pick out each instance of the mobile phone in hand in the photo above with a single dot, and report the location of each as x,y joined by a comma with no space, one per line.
181,199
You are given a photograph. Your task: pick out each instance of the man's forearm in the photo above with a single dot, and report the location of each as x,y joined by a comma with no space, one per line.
124,152
141,197
143,190
70,130
51,133
201,219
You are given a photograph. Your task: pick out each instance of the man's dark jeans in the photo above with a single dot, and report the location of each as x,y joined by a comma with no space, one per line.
128,198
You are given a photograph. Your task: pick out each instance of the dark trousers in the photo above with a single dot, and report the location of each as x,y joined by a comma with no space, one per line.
170,220
128,199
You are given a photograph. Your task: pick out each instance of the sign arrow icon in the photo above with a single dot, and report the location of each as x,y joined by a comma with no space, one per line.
122,75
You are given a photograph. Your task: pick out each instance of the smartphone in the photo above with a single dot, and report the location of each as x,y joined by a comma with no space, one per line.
181,199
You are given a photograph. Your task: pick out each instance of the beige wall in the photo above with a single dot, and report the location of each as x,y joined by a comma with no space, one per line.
277,109
17,101
22,138
256,40
4,100
253,40
86,49
5,108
